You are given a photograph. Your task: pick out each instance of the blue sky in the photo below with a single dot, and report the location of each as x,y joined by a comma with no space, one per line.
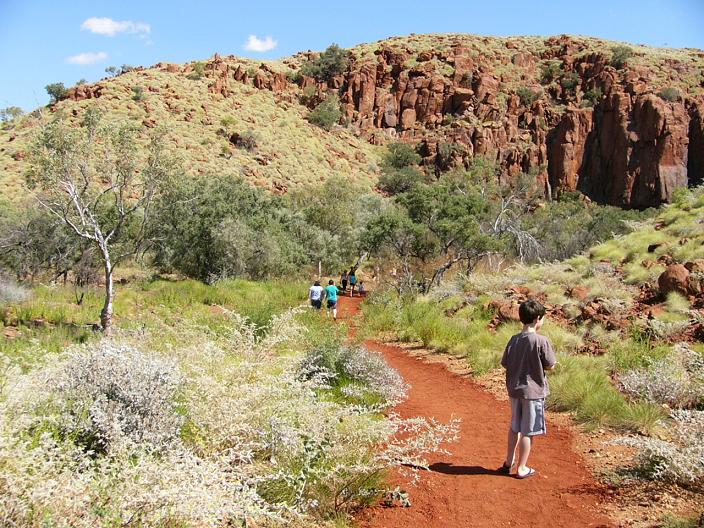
44,41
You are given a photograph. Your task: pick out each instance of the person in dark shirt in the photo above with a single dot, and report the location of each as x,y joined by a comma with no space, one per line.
526,358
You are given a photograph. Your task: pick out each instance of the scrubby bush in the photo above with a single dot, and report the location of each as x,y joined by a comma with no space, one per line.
56,91
137,93
527,96
247,140
11,292
679,459
327,113
111,395
620,56
347,366
669,94
333,61
550,71
676,380
569,81
396,181
198,71
400,155
256,441
593,95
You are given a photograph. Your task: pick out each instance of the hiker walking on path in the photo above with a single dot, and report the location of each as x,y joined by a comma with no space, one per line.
526,358
353,281
315,294
331,295
343,281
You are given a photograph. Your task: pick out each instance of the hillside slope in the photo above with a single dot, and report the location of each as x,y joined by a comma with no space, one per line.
202,130
623,124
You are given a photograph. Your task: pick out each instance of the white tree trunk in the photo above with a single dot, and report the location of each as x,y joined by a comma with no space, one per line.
106,313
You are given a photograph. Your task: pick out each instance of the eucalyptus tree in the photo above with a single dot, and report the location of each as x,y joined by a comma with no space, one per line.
100,181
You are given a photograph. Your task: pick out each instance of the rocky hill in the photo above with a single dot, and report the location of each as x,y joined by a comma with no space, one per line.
623,124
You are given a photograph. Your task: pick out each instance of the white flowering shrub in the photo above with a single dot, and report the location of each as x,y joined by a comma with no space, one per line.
680,459
11,292
676,380
356,370
207,433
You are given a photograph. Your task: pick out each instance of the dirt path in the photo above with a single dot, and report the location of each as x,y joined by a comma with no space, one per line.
463,489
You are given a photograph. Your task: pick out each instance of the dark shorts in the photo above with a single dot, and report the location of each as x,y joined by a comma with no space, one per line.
317,303
344,284
332,304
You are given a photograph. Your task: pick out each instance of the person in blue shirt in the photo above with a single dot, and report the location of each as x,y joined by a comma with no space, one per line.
331,294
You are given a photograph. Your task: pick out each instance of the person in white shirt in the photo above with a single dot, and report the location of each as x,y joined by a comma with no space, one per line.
315,294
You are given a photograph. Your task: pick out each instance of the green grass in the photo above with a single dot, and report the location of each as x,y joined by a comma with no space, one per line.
52,319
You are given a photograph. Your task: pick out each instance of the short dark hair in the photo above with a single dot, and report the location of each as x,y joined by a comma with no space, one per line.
331,281
531,310
317,283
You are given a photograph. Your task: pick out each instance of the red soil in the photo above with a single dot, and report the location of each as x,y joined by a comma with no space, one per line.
464,489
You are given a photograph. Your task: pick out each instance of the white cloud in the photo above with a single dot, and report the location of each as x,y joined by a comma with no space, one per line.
256,44
86,58
110,27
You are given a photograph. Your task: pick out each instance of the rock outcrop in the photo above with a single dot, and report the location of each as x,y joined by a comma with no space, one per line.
590,127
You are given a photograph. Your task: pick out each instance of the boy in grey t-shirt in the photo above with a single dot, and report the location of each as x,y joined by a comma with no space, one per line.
526,358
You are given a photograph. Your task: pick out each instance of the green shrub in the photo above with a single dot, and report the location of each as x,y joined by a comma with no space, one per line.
593,95
620,56
550,71
527,96
669,94
327,113
400,155
57,92
333,61
198,71
396,181
569,81
137,93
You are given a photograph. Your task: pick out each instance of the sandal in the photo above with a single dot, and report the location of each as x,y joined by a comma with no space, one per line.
530,473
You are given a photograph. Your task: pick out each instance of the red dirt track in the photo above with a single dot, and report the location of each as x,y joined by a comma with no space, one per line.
463,489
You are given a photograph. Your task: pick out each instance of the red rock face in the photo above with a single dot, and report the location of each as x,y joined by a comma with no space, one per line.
635,154
632,149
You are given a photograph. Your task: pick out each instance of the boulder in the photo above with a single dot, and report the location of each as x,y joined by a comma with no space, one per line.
675,278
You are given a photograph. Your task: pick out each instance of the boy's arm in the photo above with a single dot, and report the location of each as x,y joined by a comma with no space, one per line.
547,357
504,358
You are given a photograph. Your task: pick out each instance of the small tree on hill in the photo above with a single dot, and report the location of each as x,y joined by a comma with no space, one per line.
10,113
57,92
620,56
401,155
92,179
327,113
333,61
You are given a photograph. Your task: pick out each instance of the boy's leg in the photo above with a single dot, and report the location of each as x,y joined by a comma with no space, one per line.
532,424
513,431
524,445
513,438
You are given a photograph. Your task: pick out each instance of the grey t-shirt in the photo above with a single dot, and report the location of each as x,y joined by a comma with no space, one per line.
526,357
